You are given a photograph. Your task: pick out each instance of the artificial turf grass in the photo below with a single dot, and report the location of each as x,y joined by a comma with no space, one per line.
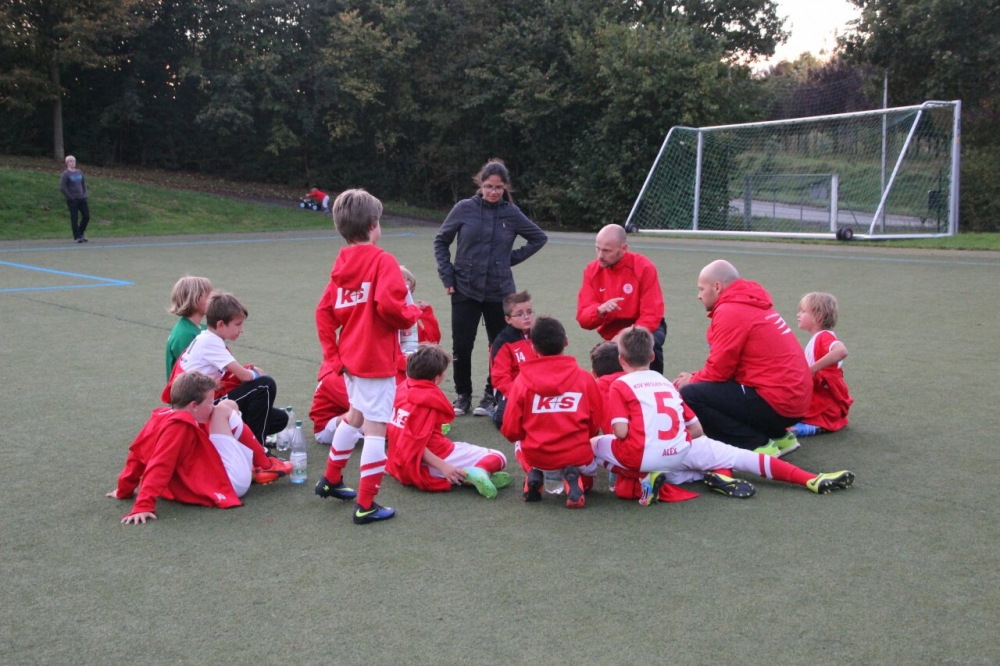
896,568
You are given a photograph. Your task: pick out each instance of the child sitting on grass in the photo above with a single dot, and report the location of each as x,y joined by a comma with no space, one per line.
419,454
188,300
656,434
825,355
606,366
510,348
428,329
553,410
248,386
193,452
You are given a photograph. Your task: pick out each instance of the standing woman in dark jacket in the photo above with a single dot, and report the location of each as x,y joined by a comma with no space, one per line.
480,277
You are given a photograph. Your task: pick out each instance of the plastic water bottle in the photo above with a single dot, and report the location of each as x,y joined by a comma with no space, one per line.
554,483
612,480
408,336
299,453
284,440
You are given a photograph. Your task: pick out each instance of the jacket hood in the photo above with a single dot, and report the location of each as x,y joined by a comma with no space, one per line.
425,393
745,292
354,263
549,375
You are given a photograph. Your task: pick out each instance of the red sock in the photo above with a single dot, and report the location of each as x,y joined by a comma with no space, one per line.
372,469
491,463
774,468
368,489
247,439
334,469
521,461
724,472
587,482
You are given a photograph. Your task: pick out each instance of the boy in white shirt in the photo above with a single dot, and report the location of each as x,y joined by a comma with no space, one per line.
251,389
656,434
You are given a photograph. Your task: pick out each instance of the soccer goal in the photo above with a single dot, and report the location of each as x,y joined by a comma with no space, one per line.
889,173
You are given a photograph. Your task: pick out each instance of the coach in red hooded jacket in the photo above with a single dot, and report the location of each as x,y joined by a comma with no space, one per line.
755,383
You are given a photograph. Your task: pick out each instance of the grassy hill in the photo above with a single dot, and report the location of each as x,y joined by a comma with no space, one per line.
131,201
148,202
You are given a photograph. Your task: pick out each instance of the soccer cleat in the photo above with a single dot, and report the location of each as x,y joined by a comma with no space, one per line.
372,514
769,449
786,444
651,484
806,430
462,404
827,483
533,485
727,485
481,480
501,479
275,469
575,499
338,490
486,406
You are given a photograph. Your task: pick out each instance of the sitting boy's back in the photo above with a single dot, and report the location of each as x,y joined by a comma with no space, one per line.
554,407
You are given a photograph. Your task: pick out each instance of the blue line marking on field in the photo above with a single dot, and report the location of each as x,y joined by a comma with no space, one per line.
101,281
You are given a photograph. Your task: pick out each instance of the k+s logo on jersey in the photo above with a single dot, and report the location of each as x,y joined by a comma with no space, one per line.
567,402
399,417
348,298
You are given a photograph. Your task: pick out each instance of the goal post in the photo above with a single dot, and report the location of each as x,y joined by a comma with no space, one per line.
816,177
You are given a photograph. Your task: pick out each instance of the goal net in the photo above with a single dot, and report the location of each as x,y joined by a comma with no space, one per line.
890,173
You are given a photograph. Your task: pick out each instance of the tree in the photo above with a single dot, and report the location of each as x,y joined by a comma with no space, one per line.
41,40
943,49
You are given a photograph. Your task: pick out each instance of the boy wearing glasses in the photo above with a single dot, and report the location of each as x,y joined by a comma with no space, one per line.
511,347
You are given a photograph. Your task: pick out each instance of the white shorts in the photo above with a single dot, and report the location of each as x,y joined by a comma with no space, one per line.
704,455
467,455
237,459
372,396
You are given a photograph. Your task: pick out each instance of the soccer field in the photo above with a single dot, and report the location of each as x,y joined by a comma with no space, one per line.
903,568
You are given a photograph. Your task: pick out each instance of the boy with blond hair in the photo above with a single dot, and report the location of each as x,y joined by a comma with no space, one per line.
825,355
656,434
419,454
428,328
249,386
367,308
553,410
188,300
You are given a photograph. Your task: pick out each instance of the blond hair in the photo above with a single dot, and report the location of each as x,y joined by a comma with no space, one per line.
822,306
187,294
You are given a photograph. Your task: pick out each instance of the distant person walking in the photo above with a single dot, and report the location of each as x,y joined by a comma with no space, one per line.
480,276
73,186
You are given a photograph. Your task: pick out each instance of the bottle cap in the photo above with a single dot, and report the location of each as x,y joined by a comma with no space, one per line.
298,424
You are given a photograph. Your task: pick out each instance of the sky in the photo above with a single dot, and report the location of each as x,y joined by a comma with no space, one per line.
812,24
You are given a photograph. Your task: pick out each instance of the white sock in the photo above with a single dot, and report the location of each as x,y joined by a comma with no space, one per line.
345,439
325,436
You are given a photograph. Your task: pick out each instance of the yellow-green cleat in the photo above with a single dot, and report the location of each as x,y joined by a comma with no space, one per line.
727,485
830,481
651,485
501,479
478,477
786,444
769,449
